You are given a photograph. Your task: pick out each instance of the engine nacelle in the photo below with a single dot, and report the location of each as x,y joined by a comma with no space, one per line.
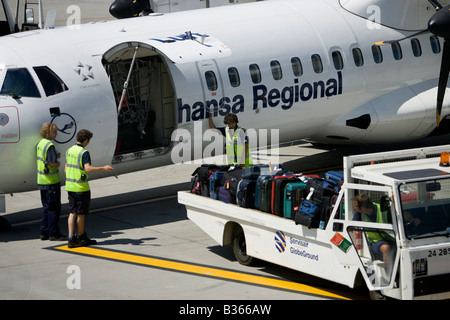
402,115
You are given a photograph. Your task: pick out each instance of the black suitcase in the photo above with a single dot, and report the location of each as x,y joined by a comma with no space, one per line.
321,189
245,196
203,173
263,193
306,220
231,180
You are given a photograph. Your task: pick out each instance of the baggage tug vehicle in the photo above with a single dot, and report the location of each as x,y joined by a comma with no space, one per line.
411,186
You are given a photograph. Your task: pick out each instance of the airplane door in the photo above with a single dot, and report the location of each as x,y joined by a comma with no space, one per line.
145,107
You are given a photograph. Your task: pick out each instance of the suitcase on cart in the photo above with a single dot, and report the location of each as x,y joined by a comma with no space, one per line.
245,196
334,180
277,198
225,195
201,175
309,214
231,180
254,171
294,194
263,193
215,181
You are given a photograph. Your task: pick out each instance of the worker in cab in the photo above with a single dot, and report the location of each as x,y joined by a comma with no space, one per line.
381,244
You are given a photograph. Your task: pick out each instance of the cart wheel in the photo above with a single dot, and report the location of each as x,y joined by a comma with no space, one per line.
240,247
376,295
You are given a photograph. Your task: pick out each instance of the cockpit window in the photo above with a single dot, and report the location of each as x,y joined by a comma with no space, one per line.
19,83
51,83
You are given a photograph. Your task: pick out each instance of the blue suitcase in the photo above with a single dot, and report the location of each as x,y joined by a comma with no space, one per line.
309,214
225,195
334,180
214,183
245,196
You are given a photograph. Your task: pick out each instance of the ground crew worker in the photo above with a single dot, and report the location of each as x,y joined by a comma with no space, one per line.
49,183
236,141
380,243
78,166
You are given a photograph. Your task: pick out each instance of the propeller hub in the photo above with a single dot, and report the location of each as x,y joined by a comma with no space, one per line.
439,23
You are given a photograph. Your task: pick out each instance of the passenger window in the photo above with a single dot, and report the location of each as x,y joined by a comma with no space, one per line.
19,83
211,80
435,45
51,83
233,76
277,73
255,73
416,48
317,63
337,60
377,54
297,67
358,57
397,51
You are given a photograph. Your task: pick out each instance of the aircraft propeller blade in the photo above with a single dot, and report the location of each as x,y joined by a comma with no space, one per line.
443,77
439,25
436,4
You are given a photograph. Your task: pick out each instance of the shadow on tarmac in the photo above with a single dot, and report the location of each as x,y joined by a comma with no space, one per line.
331,158
107,215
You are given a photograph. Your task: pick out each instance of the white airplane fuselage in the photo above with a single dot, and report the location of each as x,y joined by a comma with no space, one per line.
176,79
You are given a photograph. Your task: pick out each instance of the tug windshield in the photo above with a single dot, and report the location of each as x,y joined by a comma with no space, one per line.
426,208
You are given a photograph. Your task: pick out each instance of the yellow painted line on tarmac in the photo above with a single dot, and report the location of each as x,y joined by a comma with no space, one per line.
199,270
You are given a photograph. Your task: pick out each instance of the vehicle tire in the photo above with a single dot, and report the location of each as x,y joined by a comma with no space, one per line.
376,295
240,247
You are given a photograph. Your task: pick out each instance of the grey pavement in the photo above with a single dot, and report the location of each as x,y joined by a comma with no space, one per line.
136,213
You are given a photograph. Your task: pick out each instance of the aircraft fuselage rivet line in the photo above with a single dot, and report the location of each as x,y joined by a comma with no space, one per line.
197,270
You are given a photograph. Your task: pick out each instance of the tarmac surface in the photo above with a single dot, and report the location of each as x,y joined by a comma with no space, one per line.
147,248
137,217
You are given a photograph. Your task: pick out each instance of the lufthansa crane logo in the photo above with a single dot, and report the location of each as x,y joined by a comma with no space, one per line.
67,127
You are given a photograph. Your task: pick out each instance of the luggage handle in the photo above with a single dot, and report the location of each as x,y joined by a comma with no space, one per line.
310,194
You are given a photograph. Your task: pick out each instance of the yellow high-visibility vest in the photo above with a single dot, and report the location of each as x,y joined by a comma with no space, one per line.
381,218
76,176
50,175
235,148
